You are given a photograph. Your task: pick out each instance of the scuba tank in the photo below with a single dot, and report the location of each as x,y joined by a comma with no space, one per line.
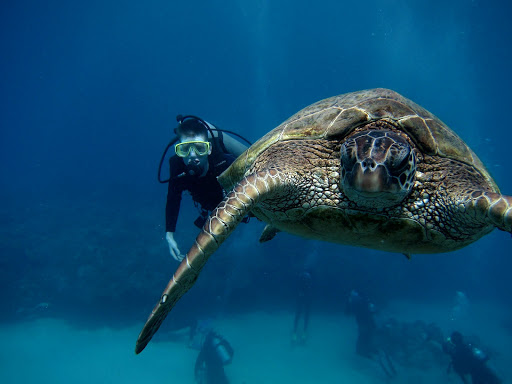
217,141
478,354
224,355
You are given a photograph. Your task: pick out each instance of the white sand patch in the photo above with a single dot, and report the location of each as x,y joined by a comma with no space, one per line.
49,351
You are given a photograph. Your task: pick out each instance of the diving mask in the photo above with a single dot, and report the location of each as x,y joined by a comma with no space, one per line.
201,148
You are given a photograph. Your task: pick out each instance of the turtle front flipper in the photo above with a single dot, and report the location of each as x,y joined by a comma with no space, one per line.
493,207
218,227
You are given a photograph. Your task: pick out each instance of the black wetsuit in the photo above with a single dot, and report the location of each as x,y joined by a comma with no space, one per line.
206,190
465,363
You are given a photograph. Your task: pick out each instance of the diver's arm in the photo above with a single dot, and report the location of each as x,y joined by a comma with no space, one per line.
229,348
173,247
172,210
172,206
171,217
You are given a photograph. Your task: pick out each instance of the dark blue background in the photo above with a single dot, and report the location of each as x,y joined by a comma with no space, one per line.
89,93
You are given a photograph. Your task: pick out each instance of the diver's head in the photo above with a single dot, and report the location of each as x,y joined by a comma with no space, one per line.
354,296
194,150
210,337
191,126
193,146
456,338
305,281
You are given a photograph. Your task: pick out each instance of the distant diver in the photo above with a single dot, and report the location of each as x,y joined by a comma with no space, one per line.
367,332
215,353
469,361
303,307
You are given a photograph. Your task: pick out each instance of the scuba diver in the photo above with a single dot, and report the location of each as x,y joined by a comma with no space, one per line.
364,312
202,154
198,332
468,361
367,332
303,305
214,355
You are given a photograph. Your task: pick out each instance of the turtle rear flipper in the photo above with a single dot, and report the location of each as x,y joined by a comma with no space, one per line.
218,227
269,232
492,207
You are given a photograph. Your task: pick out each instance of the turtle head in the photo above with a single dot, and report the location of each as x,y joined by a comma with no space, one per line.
377,168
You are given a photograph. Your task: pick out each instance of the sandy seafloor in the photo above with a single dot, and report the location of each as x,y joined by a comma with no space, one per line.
52,351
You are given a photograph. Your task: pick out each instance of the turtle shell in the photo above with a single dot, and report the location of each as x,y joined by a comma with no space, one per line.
334,118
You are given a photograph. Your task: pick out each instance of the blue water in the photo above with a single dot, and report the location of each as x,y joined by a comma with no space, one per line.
89,92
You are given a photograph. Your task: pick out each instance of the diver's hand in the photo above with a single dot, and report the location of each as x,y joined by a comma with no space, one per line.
173,246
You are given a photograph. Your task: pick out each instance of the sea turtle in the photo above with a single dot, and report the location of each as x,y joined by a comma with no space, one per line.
368,168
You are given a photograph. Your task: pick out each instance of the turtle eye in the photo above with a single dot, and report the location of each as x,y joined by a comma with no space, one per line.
407,155
348,154
407,169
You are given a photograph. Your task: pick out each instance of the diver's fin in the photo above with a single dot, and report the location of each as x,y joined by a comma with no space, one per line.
268,233
492,207
386,364
218,227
